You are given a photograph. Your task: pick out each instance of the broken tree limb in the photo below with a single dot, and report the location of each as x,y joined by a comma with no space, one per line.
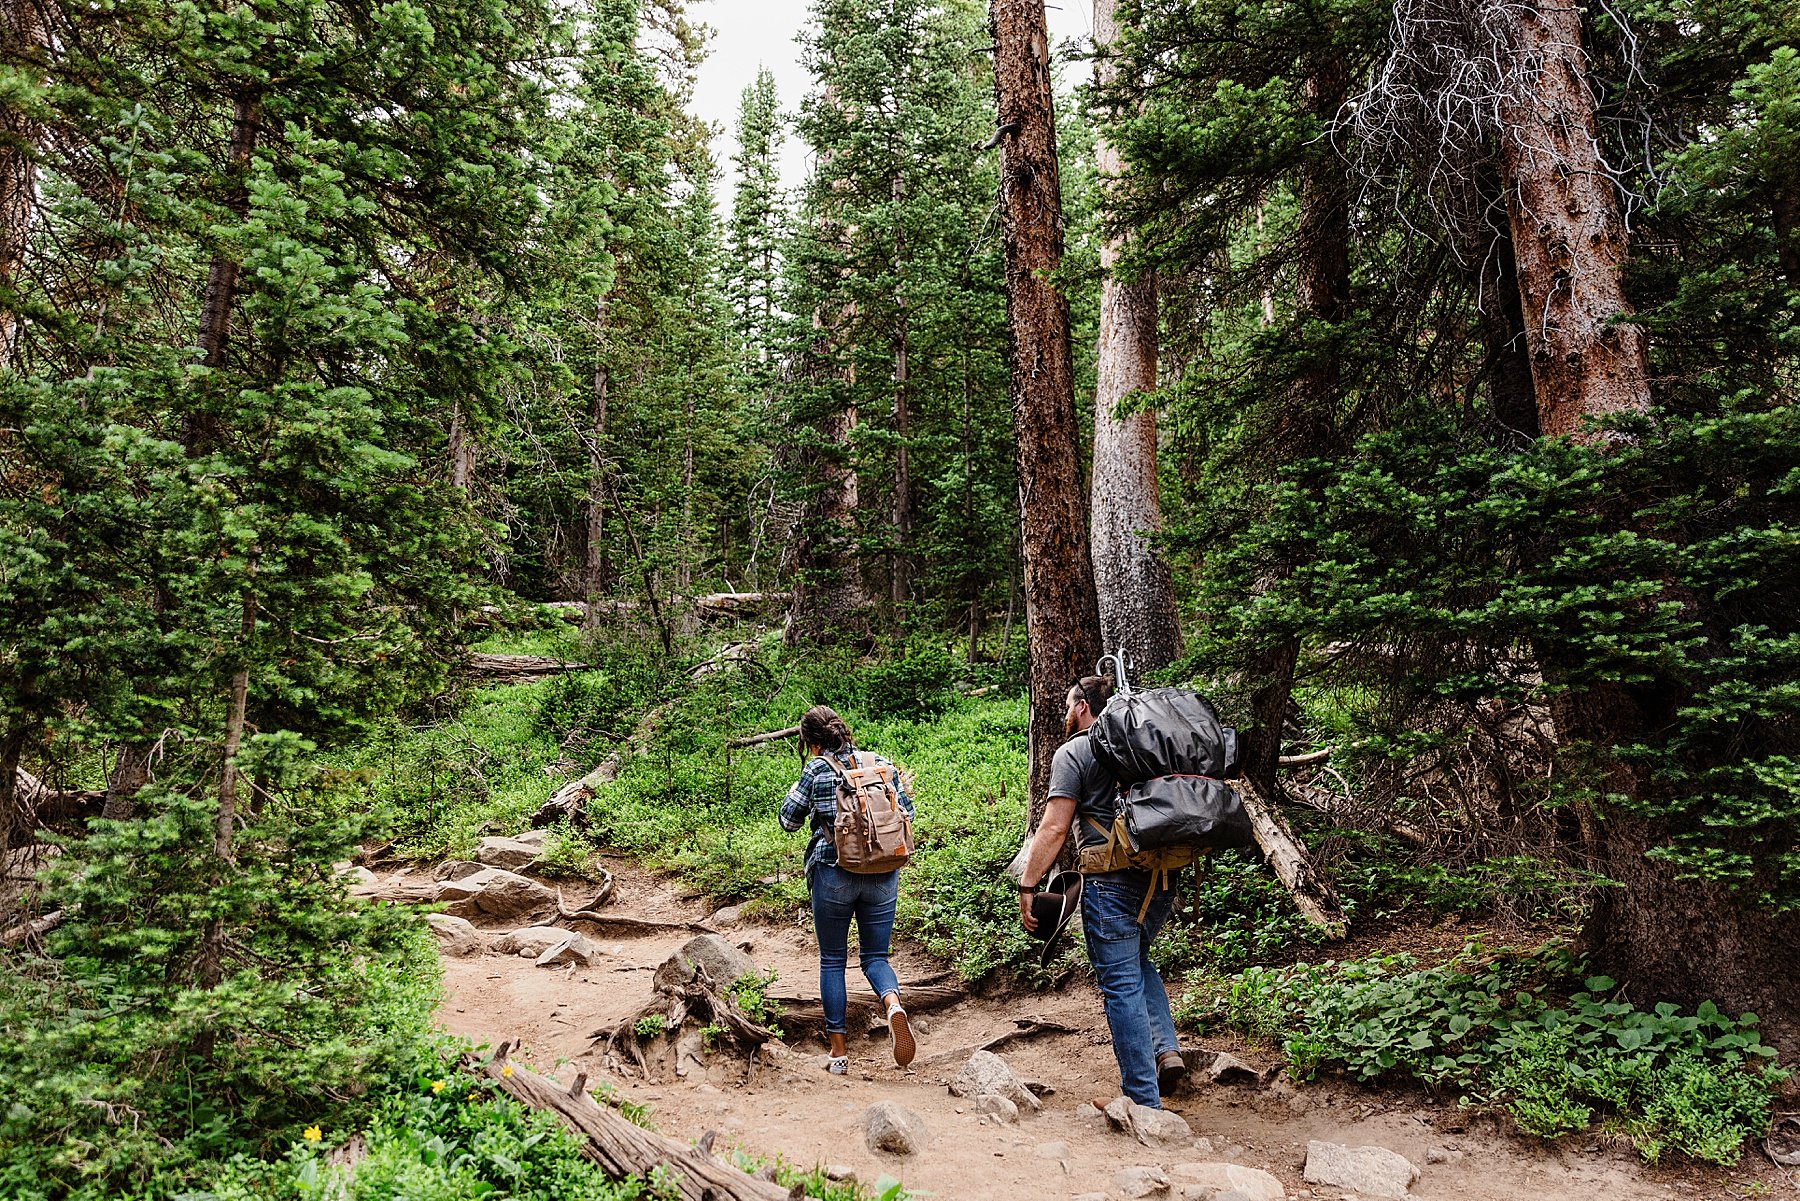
1313,896
618,1146
1325,801
36,928
1306,760
771,736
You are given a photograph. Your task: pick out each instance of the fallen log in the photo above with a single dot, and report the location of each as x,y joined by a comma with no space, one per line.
1306,760
619,923
36,928
771,736
618,1146
809,1012
46,804
565,804
1313,896
520,667
709,604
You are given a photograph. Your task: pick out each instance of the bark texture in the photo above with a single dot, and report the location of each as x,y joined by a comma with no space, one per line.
1133,584
1062,617
21,38
201,429
1568,233
828,601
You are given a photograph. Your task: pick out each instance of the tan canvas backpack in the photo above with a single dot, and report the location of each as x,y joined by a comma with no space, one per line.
873,831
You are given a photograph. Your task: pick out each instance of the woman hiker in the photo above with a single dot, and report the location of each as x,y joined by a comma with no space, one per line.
838,896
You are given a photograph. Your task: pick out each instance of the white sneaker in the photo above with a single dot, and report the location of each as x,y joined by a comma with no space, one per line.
838,1065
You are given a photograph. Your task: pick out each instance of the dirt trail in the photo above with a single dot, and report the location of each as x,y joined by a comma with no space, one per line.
798,1112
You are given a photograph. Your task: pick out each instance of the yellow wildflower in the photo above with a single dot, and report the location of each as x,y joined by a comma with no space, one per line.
507,1070
313,1134
437,1086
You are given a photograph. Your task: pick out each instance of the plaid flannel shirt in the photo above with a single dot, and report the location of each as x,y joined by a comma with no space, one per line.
814,797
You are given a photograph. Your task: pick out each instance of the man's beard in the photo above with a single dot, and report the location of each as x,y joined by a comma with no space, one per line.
1070,728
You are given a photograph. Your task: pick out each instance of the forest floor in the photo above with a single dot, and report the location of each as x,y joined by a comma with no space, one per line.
797,1112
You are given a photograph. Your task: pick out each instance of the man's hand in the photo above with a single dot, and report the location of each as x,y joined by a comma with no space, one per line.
1046,844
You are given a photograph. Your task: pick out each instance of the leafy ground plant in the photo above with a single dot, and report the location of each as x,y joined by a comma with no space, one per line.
1508,1032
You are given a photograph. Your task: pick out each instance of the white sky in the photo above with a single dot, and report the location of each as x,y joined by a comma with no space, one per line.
752,33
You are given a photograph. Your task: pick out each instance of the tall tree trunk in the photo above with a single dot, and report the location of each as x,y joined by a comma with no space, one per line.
1062,618
1132,581
1787,231
1308,425
129,775
200,429
18,822
23,34
462,449
595,580
1506,365
1568,232
828,599
900,575
237,704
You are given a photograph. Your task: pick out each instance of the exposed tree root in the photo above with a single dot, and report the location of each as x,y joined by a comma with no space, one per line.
697,999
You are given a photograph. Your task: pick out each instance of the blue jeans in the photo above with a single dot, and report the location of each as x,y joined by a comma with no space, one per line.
1137,1006
837,897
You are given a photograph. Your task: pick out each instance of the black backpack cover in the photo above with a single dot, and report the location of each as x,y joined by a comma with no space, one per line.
1163,732
1185,811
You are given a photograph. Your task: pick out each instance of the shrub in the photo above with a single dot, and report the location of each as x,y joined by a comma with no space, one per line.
916,686
1501,1033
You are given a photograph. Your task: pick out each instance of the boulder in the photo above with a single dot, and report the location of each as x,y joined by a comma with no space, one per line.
1132,1183
573,949
455,869
723,962
455,936
1152,1127
513,854
1000,1107
891,1127
531,941
986,1074
358,877
496,893
1229,1069
731,915
1226,1179
1371,1171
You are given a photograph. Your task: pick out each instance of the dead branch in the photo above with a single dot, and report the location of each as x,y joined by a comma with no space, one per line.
588,911
1023,1030
1325,801
1313,896
771,736
36,928
636,925
621,1148
1306,760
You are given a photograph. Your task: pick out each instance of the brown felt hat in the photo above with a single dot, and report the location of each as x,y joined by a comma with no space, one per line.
1052,908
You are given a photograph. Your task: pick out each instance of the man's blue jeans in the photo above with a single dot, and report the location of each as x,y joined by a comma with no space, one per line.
838,897
1118,946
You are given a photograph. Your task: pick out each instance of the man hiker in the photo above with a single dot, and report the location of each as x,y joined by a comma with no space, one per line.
1117,924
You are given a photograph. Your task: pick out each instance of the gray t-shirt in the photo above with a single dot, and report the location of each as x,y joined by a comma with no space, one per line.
1075,772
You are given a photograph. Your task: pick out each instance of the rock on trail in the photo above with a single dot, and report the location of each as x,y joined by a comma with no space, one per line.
1371,1171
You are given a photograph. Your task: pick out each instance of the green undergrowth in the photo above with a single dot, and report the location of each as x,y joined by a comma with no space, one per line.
1523,1034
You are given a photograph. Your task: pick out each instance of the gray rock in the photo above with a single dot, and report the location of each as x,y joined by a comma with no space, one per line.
509,853
1229,1069
723,962
1088,1115
1132,1183
359,877
455,869
840,1171
1000,1107
731,915
455,936
986,1074
1152,1127
1055,1150
533,838
1203,1145
496,893
1219,1180
573,949
1371,1171
891,1127
531,941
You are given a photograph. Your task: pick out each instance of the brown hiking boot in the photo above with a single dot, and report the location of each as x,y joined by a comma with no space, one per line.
1171,1069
